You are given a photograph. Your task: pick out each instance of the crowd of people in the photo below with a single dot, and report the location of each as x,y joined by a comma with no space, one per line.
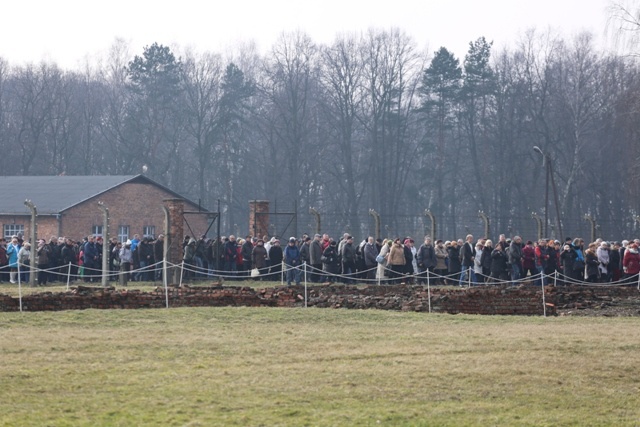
326,260
62,258
400,260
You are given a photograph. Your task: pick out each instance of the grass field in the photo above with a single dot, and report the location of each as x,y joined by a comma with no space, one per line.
247,366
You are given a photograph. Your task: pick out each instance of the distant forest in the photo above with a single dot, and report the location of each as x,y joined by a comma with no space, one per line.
368,122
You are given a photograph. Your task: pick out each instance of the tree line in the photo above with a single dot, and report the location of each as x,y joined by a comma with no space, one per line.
368,121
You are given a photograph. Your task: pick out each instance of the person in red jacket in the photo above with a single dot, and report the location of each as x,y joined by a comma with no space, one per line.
529,260
631,263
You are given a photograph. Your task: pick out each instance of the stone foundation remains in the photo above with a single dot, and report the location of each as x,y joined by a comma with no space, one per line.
523,300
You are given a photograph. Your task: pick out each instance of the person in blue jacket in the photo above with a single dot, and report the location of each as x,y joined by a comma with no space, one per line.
292,260
12,254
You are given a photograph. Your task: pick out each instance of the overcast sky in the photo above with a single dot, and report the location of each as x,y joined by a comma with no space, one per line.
66,31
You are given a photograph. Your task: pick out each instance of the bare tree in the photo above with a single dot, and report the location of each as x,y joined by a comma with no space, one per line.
5,139
112,123
579,98
33,103
342,95
623,25
202,78
289,87
392,71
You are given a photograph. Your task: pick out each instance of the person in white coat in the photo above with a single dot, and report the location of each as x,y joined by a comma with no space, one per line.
381,272
603,257
477,262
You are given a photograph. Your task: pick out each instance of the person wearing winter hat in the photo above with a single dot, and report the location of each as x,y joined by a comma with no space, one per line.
275,260
292,261
12,259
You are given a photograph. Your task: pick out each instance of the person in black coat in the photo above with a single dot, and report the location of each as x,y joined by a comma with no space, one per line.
246,251
485,259
348,257
614,262
275,260
408,257
331,262
454,260
551,266
426,259
69,257
592,263
499,263
567,258
55,259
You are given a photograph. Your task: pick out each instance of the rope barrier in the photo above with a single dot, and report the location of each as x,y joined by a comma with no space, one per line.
164,265
360,275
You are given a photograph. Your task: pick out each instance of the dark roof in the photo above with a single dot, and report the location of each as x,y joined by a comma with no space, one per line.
55,194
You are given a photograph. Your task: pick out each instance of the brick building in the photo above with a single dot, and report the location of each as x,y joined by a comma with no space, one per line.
68,206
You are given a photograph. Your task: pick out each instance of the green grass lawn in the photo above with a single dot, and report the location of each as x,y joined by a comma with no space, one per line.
250,367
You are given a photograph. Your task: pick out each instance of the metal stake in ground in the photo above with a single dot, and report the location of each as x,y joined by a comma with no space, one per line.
68,275
305,284
19,286
429,290
164,279
544,302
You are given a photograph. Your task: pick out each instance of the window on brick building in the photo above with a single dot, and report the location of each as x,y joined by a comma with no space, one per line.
96,230
12,229
149,231
123,233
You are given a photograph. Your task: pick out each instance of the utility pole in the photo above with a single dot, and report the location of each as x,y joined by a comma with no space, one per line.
546,162
428,213
105,243
376,218
34,245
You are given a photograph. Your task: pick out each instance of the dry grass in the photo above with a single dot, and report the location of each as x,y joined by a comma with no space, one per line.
242,366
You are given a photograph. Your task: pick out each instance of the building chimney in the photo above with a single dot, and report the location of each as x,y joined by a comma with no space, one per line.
259,218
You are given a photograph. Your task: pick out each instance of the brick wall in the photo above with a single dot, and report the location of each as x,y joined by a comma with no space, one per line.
481,300
134,204
259,218
47,225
